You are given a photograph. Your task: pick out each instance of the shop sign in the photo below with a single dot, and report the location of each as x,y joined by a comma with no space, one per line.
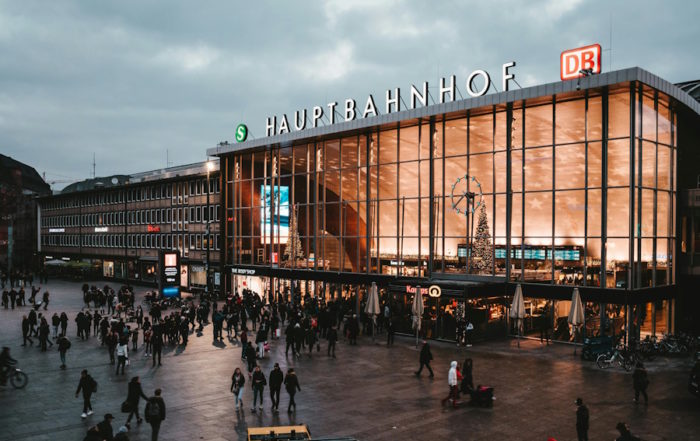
434,291
412,290
101,229
153,228
349,111
57,230
243,271
586,58
197,268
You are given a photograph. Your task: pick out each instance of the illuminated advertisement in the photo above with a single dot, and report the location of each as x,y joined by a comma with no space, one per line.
169,274
274,222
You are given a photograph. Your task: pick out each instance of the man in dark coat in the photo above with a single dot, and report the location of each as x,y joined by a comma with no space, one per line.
640,382
105,428
133,397
87,385
157,343
154,418
332,336
26,332
276,379
291,383
425,357
289,335
581,420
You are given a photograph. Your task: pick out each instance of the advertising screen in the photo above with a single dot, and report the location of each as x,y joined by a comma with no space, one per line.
274,213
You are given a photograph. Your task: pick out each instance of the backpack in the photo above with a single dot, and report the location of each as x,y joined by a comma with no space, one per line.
153,411
93,384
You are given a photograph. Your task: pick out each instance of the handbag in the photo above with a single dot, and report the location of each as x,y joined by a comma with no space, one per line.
126,407
127,362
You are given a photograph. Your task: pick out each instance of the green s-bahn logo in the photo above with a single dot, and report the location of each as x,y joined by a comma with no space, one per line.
241,133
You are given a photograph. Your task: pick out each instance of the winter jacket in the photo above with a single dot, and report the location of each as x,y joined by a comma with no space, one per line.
425,354
123,350
276,379
135,393
259,381
452,375
291,383
237,382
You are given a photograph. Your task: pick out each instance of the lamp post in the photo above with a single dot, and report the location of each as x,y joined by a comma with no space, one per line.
210,167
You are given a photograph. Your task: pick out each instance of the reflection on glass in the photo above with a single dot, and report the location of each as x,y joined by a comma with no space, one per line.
350,154
648,115
538,126
617,251
619,113
619,162
408,179
663,199
570,166
481,133
456,137
618,212
647,220
595,118
570,209
571,123
538,169
388,141
408,143
538,215
664,169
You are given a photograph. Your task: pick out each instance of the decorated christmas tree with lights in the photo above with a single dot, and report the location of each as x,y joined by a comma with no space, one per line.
293,250
482,260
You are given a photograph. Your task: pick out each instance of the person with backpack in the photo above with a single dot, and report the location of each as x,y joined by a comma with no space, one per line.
63,346
88,386
155,413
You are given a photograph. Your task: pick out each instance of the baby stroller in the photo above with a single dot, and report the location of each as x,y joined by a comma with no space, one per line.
482,396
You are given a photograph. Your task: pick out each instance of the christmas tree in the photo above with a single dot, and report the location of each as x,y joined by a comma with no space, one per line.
482,260
293,250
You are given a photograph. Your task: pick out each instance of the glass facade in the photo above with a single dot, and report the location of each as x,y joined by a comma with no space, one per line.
574,189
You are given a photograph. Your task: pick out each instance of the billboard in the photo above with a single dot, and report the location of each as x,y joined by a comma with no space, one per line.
274,213
169,274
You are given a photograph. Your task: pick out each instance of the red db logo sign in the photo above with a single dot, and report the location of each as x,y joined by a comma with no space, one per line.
575,60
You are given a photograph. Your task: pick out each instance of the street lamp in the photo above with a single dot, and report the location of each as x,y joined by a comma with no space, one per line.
210,167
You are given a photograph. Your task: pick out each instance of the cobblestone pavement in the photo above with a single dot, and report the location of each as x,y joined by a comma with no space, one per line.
368,392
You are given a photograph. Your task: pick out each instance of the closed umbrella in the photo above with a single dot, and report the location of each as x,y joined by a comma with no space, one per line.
372,306
517,309
417,310
576,315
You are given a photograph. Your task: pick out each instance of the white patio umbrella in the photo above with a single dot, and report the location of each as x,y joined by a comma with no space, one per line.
517,309
417,309
576,315
372,306
55,262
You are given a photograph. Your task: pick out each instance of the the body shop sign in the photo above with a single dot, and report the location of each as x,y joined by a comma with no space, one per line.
169,274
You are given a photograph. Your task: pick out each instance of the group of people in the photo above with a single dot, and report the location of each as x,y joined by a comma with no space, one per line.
13,298
21,279
258,383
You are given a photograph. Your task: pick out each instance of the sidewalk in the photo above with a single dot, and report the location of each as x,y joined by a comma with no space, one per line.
368,392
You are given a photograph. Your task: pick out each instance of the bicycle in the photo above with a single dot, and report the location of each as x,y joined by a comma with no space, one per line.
18,379
605,361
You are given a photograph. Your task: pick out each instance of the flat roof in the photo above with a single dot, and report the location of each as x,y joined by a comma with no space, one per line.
559,87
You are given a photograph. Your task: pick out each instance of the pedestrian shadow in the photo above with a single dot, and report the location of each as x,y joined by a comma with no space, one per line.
179,350
218,344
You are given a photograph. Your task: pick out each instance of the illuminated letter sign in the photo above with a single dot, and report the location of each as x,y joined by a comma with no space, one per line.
583,58
153,229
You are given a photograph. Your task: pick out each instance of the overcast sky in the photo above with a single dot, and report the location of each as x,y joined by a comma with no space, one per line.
129,80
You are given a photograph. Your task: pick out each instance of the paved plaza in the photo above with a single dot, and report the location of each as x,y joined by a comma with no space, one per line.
368,392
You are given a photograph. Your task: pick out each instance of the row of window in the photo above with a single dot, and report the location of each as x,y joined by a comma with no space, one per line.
157,241
175,216
177,191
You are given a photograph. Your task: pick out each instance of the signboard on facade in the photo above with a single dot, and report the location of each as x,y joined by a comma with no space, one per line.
579,62
434,291
57,230
153,228
243,271
101,229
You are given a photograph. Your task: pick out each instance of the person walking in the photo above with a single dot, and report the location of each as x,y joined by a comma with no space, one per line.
425,357
467,385
237,383
44,334
291,383
640,382
581,420
390,330
276,379
55,322
46,300
259,383
155,413
26,331
133,397
64,323
104,428
63,346
289,336
452,383
122,354
332,337
88,386
250,358
157,344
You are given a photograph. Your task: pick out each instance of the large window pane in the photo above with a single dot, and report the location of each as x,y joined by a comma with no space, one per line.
570,209
350,184
455,137
516,225
500,163
350,153
455,223
593,212
619,162
538,169
538,214
481,168
387,146
570,166
481,133
387,181
408,143
648,164
516,170
619,114
387,219
595,118
662,214
648,115
617,252
664,169
538,126
300,159
647,221
595,164
570,121
332,154
618,212
409,182
664,120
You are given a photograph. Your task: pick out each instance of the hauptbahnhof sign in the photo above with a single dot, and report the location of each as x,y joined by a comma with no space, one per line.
478,83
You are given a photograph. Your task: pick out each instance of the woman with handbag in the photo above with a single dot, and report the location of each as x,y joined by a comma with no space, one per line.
133,397
237,382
